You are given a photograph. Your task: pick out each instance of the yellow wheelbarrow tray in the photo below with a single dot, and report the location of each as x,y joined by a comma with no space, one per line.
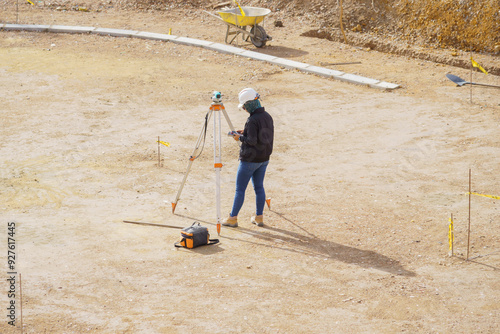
234,19
253,16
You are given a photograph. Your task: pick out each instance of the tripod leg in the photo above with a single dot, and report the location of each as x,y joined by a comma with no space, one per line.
217,163
227,119
218,156
174,204
194,155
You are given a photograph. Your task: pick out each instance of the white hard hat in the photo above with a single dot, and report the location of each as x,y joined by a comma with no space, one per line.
247,94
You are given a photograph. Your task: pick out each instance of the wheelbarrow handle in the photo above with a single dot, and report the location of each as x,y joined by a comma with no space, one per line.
217,17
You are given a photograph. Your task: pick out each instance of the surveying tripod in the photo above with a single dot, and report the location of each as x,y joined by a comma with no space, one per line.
216,108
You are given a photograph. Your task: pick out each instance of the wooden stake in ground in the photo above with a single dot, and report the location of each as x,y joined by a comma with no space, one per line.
159,161
162,143
451,235
468,229
471,68
341,18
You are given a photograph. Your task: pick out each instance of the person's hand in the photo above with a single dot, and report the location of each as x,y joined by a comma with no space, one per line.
237,134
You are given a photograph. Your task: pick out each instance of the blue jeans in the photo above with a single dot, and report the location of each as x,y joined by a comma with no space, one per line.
246,171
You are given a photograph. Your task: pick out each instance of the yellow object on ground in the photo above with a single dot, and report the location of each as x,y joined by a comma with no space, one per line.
475,64
484,195
164,143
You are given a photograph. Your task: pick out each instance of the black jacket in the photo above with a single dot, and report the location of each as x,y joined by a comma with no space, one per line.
257,138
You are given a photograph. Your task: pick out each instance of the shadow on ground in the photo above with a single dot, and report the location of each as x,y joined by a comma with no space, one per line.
309,244
282,51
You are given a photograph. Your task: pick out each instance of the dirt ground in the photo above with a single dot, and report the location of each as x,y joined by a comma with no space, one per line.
362,183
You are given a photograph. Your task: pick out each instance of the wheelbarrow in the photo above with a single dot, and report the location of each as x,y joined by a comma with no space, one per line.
239,19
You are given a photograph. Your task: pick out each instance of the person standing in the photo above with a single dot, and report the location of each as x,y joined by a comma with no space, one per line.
256,147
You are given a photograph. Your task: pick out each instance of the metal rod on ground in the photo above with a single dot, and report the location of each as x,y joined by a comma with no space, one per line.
151,224
468,229
159,160
347,63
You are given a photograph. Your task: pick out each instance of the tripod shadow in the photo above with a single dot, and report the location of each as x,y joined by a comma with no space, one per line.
309,244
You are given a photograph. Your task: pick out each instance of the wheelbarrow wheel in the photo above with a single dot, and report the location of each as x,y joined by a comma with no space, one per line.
260,38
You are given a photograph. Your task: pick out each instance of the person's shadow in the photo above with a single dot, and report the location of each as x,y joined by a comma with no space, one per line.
308,243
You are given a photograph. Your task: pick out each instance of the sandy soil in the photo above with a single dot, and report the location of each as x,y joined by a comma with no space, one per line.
362,183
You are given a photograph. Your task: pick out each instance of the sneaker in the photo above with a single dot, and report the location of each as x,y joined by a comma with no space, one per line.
258,220
230,221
